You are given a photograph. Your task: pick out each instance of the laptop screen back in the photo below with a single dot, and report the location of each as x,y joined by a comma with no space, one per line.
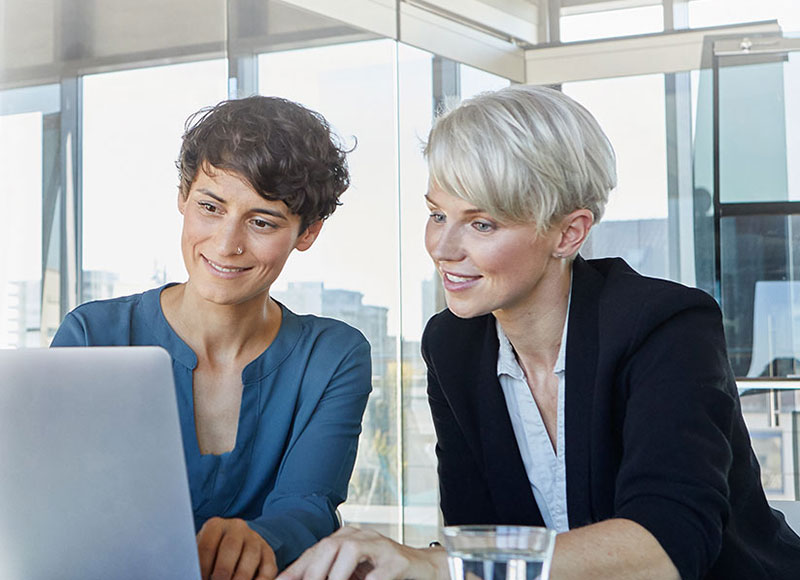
92,474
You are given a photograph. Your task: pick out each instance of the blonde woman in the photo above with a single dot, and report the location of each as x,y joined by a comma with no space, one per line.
570,393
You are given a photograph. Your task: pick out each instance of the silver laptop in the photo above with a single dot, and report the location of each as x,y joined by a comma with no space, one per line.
92,475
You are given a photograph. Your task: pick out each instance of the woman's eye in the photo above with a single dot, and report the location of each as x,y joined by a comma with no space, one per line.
437,217
483,226
261,224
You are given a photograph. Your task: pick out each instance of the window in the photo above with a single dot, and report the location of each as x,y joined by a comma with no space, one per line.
718,12
132,127
351,273
21,234
611,23
631,112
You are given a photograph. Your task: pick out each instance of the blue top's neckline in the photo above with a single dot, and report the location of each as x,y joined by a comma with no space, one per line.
281,347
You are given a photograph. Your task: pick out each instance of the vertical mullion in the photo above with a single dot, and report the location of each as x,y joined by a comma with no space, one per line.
243,18
446,92
70,250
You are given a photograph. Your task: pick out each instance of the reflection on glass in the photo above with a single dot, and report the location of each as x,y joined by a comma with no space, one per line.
21,232
132,126
760,294
754,131
631,111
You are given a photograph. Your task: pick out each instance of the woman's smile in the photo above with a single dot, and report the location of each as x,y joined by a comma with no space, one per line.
456,282
224,270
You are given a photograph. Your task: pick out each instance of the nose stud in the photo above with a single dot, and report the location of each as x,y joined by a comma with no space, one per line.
238,251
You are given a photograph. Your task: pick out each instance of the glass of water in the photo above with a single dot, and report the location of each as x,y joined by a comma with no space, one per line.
499,552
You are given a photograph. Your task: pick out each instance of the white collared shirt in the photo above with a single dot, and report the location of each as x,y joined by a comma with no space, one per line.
546,469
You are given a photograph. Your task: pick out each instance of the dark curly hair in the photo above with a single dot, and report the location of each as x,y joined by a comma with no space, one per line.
283,150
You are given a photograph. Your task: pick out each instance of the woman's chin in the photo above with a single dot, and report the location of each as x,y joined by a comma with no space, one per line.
465,310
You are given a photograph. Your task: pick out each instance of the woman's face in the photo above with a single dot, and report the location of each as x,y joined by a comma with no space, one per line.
485,265
235,242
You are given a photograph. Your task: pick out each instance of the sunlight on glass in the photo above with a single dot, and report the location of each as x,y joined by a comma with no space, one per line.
351,273
612,23
719,12
474,81
21,232
353,87
132,123
632,111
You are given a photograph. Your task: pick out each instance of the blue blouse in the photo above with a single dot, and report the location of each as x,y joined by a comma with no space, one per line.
302,404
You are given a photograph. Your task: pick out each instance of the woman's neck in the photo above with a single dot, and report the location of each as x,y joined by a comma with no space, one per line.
535,329
221,333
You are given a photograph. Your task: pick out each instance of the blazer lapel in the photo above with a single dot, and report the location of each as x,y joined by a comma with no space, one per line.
581,367
508,482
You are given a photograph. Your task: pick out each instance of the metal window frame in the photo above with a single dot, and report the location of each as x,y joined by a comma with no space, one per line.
734,50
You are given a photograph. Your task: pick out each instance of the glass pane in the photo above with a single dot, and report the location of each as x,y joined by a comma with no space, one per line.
21,233
132,126
761,294
631,112
719,12
703,174
773,419
420,285
474,81
611,23
351,273
420,482
760,131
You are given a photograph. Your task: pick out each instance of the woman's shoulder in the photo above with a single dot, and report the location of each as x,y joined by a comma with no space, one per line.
102,309
325,329
624,287
630,307
110,321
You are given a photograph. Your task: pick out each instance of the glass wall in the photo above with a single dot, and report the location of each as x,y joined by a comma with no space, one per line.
132,125
108,130
631,111
718,12
21,235
590,25
354,86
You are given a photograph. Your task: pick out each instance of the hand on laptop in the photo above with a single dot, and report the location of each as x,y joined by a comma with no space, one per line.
230,550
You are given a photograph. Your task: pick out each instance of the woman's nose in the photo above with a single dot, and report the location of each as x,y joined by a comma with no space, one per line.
230,240
443,242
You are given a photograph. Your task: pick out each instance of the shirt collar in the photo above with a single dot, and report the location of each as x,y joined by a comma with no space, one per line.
506,361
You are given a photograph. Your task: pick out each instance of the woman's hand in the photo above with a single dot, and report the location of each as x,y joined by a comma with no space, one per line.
356,554
230,550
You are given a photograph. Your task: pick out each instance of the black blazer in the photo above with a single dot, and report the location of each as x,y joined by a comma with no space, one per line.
653,427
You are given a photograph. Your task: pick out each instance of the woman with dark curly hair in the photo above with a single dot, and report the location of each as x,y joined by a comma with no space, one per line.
270,402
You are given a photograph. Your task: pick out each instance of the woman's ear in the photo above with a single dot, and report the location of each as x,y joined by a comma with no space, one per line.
182,199
307,238
574,231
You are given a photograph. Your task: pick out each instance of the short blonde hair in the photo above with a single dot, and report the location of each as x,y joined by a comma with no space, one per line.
523,154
